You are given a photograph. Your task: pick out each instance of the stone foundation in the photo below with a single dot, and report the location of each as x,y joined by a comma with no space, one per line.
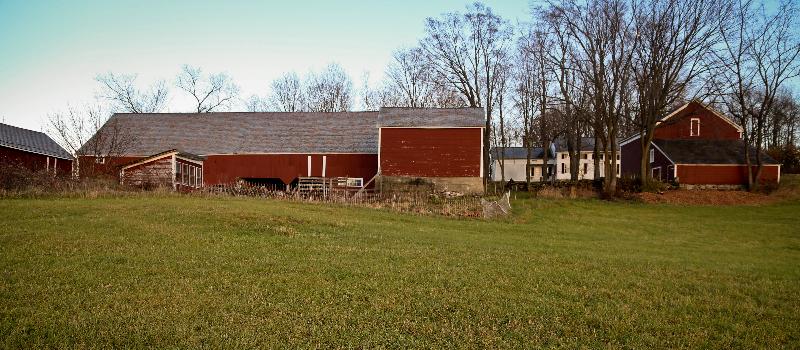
465,185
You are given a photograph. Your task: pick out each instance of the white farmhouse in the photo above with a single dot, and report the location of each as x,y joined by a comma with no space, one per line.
514,160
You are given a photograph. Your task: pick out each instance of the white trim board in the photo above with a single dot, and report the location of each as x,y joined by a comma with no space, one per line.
432,127
29,151
148,160
712,110
777,165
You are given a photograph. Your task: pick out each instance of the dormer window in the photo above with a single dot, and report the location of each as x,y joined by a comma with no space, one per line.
695,127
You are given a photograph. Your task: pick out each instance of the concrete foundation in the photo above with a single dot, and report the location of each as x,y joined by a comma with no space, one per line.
465,185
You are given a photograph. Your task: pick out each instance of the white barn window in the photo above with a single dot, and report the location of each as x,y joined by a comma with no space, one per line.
652,155
695,127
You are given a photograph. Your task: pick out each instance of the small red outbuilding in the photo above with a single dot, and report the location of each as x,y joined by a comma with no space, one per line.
33,150
696,145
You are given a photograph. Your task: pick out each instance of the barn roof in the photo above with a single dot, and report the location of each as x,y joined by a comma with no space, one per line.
248,133
707,151
31,141
517,153
431,117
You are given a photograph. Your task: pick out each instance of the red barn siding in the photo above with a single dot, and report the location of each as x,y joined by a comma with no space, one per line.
228,168
711,125
722,174
419,152
34,161
87,167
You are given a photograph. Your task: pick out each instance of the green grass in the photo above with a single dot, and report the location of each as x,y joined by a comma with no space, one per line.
173,271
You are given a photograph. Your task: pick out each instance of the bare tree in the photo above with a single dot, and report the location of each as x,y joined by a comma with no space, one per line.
525,98
463,50
256,103
88,132
501,129
287,94
674,37
211,93
329,91
759,54
603,33
121,91
410,74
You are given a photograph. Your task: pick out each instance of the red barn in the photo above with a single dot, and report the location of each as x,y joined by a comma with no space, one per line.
696,145
441,146
33,150
282,148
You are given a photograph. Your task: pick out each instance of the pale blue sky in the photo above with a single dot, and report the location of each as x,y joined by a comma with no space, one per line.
50,51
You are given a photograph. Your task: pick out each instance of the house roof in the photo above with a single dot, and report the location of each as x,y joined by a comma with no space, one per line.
31,141
431,117
162,155
706,151
516,153
587,144
248,133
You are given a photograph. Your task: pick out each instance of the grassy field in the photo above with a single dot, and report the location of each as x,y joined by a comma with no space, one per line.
172,271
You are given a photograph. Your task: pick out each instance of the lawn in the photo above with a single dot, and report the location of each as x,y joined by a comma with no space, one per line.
181,271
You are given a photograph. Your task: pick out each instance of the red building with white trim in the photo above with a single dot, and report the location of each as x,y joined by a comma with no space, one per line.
33,150
442,146
696,145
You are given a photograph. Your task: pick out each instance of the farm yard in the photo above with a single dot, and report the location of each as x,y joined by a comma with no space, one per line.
166,270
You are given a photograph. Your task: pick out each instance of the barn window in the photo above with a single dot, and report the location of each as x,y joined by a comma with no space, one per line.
652,155
100,160
695,128
355,182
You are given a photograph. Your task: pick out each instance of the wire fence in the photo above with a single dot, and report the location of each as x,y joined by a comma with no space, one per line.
424,203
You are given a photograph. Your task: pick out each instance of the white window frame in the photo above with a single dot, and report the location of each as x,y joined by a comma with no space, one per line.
652,156
652,171
691,127
355,182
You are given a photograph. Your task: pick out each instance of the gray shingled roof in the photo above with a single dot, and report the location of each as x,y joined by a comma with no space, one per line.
31,141
244,132
587,144
707,151
517,153
431,117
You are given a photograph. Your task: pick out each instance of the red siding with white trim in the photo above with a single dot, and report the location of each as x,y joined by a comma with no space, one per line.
220,169
34,161
711,125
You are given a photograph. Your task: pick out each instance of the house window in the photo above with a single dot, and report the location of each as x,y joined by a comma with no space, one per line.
652,155
563,155
563,168
695,128
617,169
585,168
100,160
617,156
602,156
585,156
